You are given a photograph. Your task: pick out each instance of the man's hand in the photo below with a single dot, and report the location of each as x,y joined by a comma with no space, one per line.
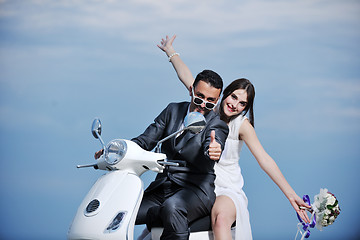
98,154
214,148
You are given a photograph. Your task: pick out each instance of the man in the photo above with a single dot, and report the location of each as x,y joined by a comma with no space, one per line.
183,194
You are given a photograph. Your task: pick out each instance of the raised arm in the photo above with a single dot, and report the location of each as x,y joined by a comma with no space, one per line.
181,69
247,133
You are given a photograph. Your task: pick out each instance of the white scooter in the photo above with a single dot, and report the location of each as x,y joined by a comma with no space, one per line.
109,209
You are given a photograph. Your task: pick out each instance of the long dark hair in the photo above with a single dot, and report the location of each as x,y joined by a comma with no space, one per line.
241,83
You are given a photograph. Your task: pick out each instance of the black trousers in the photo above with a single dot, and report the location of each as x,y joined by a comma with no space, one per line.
172,207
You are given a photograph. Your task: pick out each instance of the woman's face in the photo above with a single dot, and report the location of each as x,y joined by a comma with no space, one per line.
235,103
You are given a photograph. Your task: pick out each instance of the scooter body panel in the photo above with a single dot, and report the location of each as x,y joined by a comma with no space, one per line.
116,195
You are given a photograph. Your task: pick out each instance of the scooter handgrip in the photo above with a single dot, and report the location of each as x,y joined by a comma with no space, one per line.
167,163
179,163
88,165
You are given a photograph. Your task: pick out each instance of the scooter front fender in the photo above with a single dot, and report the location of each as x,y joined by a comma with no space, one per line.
109,209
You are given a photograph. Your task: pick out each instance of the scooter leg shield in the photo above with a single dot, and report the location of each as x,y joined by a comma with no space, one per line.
109,210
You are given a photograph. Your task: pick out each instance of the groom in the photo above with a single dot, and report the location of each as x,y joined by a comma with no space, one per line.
183,194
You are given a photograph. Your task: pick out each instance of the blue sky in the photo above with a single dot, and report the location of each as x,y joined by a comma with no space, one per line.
63,63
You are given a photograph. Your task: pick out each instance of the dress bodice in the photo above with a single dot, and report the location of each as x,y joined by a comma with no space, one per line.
227,170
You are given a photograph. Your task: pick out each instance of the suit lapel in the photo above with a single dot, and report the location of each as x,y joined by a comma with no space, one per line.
185,137
179,119
179,144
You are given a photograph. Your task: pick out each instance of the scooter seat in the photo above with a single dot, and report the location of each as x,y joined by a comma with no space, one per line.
203,224
199,225
200,229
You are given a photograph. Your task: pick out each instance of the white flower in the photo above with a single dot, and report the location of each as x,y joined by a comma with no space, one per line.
327,212
324,223
330,200
323,193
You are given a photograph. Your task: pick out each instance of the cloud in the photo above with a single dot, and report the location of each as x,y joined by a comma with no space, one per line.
314,106
57,35
140,20
338,89
15,118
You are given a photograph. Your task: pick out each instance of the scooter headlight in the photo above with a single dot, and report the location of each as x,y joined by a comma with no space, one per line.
115,151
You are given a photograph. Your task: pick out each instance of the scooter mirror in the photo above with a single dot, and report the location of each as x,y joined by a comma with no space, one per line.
96,128
195,122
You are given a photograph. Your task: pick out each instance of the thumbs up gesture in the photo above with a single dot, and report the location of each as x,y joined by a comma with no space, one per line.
214,148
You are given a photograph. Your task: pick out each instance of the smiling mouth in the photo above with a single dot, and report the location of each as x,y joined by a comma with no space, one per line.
230,108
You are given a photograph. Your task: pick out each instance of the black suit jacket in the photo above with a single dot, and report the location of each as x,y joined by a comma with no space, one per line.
198,174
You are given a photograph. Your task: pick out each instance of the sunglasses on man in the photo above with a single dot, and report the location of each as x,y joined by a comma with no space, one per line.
198,101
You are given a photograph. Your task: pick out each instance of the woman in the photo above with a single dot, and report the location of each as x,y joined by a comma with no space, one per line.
231,201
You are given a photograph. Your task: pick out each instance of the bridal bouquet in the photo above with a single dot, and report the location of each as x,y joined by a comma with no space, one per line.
325,210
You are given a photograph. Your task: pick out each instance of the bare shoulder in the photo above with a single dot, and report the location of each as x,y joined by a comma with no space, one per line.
246,129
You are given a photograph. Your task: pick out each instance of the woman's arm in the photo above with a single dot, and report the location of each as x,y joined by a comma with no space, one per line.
247,133
181,69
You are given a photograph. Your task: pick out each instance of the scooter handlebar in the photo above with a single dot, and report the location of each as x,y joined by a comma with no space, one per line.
175,163
88,165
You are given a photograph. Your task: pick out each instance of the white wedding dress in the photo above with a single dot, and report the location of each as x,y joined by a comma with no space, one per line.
229,180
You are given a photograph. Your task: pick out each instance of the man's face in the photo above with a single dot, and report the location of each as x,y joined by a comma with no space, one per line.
205,92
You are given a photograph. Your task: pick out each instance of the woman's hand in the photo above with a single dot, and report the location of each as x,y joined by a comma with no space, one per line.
166,45
300,207
183,72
